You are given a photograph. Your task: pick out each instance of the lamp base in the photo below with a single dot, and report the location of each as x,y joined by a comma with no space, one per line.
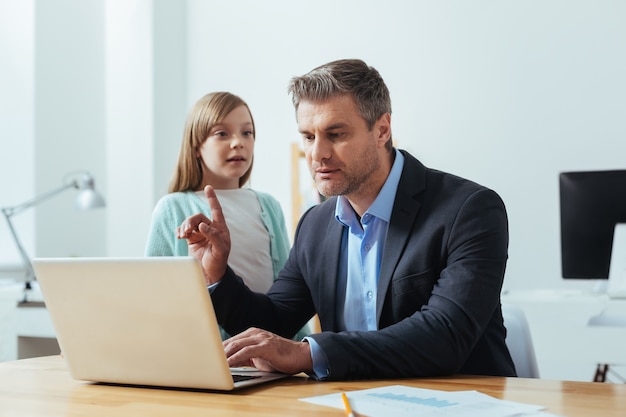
28,289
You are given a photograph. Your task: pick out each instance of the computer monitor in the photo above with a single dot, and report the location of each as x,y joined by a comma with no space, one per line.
592,203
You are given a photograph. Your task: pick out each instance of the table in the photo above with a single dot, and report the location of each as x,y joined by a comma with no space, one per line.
43,387
10,292
25,327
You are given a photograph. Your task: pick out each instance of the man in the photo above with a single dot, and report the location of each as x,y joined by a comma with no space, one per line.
404,266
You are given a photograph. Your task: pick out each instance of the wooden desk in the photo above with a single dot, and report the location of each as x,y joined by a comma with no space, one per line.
43,387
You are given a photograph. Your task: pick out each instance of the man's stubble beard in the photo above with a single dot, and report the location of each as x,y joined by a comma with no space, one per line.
354,181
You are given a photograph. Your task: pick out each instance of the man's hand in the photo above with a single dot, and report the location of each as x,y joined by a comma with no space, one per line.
268,352
208,240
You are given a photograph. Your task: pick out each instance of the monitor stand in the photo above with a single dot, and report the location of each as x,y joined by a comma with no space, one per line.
600,286
616,286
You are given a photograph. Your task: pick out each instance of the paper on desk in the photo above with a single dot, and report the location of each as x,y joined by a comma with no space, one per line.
404,401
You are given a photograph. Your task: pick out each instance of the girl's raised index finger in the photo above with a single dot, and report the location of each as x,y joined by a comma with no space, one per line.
217,215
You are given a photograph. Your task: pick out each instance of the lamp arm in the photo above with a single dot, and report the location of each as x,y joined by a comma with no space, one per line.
29,273
11,211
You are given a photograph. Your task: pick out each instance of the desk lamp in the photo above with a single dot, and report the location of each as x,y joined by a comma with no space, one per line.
86,199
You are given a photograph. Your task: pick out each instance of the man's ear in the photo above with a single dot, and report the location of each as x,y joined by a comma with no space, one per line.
382,128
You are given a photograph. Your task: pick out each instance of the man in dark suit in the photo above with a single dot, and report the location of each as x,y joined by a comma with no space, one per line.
404,264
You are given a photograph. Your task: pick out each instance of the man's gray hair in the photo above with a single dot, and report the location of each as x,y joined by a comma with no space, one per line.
346,76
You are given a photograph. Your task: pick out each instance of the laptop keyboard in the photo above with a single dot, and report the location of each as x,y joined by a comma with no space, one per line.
239,377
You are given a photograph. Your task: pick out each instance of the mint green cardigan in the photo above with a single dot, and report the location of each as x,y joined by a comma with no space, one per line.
172,209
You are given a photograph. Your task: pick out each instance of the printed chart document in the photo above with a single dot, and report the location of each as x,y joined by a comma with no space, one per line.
403,401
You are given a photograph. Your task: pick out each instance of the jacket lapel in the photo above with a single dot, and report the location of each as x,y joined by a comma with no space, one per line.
403,215
328,284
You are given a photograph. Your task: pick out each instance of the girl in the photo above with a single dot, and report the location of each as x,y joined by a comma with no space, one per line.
218,149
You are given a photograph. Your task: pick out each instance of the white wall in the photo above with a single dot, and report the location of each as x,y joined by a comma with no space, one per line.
507,93
145,101
504,93
69,122
51,122
17,174
129,122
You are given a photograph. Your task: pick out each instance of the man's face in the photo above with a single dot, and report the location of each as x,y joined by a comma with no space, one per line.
343,155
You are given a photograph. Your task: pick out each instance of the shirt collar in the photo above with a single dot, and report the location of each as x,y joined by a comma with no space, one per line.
382,205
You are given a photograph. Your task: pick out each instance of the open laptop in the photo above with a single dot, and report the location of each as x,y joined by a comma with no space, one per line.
138,321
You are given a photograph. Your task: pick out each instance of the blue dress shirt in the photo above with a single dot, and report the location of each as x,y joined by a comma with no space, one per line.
359,265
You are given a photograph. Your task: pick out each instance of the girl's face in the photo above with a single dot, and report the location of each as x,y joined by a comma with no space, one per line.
227,151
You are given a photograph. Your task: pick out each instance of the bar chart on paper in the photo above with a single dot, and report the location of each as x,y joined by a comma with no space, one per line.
386,398
403,401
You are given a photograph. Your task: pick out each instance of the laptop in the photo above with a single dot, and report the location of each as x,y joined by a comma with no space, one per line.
139,321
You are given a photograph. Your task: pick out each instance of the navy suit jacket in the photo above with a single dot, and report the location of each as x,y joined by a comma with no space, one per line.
438,302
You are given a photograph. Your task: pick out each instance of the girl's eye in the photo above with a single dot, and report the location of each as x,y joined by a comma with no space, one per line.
248,133
221,134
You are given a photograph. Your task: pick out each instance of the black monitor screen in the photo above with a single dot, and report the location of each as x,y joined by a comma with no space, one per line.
592,202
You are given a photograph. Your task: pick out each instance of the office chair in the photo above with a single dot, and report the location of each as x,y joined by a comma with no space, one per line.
519,342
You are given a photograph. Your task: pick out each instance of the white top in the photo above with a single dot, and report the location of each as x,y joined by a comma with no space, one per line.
250,242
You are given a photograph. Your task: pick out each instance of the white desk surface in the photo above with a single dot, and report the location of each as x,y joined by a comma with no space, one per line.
567,346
